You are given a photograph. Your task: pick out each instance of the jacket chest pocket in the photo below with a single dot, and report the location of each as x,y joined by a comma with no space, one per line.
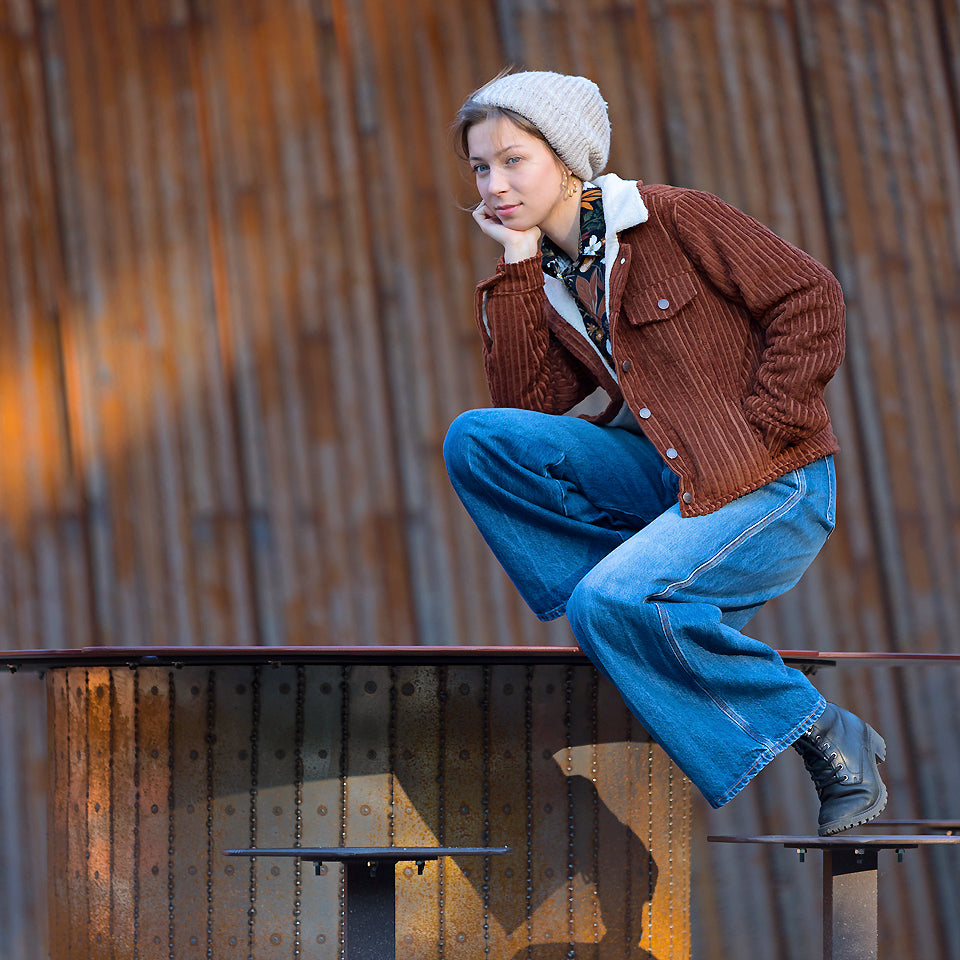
660,300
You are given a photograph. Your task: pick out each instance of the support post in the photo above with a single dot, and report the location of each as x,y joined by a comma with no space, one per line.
850,903
370,910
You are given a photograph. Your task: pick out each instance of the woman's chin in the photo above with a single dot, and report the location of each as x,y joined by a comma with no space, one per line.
518,221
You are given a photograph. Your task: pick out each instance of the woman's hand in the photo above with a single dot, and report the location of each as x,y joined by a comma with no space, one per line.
517,244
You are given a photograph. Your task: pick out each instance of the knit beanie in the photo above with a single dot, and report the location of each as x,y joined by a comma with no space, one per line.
569,112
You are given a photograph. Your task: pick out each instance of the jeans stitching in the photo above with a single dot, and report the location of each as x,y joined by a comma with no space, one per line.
721,704
706,565
774,514
761,761
831,495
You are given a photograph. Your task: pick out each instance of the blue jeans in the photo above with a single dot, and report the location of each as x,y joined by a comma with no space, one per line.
585,521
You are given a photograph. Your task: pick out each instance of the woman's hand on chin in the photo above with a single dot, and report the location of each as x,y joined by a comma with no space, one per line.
517,244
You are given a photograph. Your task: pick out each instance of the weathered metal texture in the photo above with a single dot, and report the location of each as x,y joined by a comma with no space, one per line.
155,771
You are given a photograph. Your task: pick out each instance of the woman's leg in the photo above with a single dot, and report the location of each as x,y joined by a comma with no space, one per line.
661,615
553,495
585,519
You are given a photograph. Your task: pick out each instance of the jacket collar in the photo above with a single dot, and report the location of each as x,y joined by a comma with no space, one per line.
622,204
622,208
626,209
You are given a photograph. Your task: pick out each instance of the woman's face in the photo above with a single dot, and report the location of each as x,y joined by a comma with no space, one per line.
519,177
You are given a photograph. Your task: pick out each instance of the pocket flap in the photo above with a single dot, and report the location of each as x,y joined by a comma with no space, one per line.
661,299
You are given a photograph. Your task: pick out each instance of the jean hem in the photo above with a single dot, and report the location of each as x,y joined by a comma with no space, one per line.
553,614
795,733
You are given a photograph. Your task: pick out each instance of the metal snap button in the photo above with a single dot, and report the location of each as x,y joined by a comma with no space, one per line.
644,413
672,454
663,303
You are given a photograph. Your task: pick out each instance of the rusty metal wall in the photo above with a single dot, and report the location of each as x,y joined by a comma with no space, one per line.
156,771
235,298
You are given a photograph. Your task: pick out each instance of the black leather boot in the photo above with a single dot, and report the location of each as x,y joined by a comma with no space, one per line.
841,754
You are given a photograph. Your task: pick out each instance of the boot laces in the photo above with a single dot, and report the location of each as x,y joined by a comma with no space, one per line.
822,763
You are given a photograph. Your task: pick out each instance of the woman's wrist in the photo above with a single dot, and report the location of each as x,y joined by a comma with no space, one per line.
516,252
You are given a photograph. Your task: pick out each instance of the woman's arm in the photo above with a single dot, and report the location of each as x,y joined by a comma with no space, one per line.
526,366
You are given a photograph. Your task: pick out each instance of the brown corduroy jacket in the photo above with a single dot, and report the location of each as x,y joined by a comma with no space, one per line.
723,338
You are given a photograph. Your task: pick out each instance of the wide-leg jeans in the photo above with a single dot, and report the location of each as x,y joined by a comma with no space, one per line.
585,521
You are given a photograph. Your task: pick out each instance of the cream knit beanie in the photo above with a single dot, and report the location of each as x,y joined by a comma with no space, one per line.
569,112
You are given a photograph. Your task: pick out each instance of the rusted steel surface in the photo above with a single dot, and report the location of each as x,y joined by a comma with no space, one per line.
157,771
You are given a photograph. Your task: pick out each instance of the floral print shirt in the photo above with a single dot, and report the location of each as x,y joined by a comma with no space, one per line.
584,278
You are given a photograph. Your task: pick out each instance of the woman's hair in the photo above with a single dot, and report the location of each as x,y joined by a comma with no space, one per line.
472,113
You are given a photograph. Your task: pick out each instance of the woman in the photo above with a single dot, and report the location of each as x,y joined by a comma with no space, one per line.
706,486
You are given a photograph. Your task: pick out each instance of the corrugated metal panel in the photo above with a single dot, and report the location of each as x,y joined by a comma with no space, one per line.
235,294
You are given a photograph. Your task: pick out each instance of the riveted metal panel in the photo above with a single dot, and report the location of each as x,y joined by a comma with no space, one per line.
322,813
157,770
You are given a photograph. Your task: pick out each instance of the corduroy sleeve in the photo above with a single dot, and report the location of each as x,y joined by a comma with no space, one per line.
796,302
525,365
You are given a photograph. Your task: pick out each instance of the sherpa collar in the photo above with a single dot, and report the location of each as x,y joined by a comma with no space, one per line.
622,204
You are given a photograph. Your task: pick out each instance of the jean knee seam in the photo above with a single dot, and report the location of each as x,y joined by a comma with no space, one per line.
741,537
